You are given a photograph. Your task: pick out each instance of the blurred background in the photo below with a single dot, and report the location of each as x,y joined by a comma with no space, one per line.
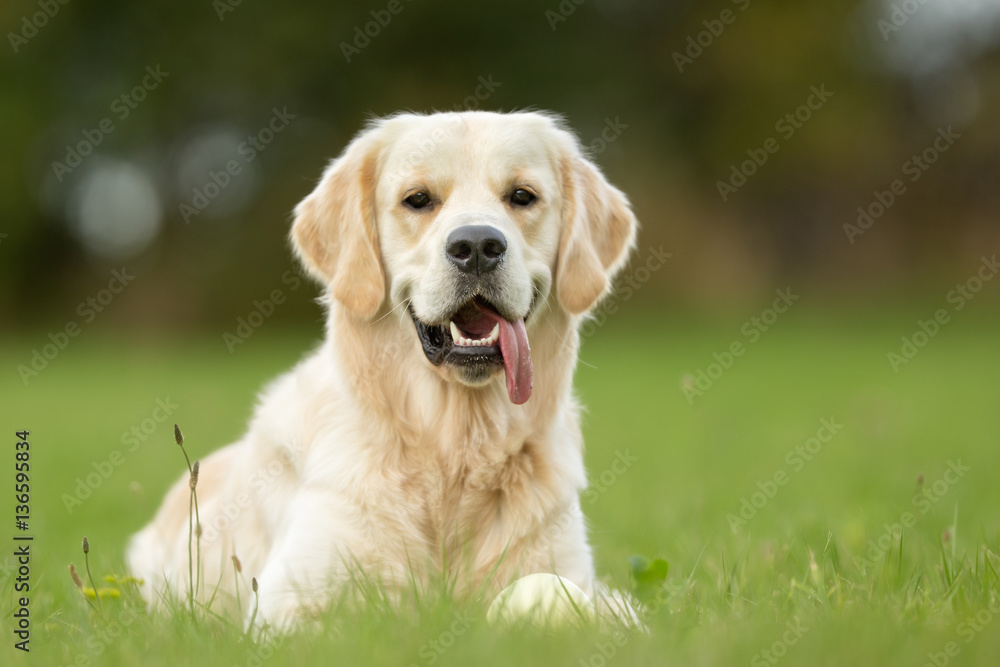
843,153
119,120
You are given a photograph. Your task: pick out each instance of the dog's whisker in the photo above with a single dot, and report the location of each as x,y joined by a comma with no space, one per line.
391,311
401,303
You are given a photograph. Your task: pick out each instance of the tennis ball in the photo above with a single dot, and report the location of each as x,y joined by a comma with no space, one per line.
541,599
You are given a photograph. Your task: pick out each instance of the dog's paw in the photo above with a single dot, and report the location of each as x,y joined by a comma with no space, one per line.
272,611
618,610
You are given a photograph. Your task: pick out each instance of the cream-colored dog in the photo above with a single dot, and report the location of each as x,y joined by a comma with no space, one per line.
423,438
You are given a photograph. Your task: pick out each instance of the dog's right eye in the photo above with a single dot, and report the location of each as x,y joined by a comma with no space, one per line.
418,200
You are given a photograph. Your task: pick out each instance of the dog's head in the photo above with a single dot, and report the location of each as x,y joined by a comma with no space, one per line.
467,222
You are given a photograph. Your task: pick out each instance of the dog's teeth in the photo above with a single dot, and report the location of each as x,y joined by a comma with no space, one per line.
486,341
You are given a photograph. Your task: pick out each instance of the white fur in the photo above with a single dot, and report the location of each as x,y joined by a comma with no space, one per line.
365,456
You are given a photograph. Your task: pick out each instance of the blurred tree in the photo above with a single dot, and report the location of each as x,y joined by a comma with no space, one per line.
695,91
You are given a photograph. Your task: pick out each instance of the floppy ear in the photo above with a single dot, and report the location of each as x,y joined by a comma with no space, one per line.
598,232
334,231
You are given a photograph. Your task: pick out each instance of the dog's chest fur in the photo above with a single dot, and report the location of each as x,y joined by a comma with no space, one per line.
462,497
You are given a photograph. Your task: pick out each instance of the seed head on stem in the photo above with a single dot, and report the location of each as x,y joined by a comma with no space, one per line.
86,561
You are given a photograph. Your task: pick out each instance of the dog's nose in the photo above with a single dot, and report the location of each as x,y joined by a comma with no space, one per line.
476,249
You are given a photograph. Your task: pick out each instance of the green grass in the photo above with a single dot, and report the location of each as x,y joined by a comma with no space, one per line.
729,595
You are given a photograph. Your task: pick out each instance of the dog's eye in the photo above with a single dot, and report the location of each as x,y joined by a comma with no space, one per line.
418,200
522,197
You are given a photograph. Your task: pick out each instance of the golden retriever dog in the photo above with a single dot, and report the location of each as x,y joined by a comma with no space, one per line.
434,433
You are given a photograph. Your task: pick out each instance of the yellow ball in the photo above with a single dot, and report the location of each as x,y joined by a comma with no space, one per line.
541,599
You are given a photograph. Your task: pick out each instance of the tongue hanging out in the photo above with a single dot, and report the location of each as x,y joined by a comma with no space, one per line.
482,321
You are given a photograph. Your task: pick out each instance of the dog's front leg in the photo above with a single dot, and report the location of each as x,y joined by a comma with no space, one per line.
306,563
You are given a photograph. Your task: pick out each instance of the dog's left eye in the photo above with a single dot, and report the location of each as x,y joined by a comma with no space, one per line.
418,200
522,197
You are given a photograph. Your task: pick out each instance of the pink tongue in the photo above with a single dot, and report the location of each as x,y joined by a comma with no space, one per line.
516,356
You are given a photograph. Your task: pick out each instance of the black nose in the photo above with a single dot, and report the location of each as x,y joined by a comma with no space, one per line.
476,249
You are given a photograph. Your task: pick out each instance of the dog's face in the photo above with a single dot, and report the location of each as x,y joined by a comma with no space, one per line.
467,222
